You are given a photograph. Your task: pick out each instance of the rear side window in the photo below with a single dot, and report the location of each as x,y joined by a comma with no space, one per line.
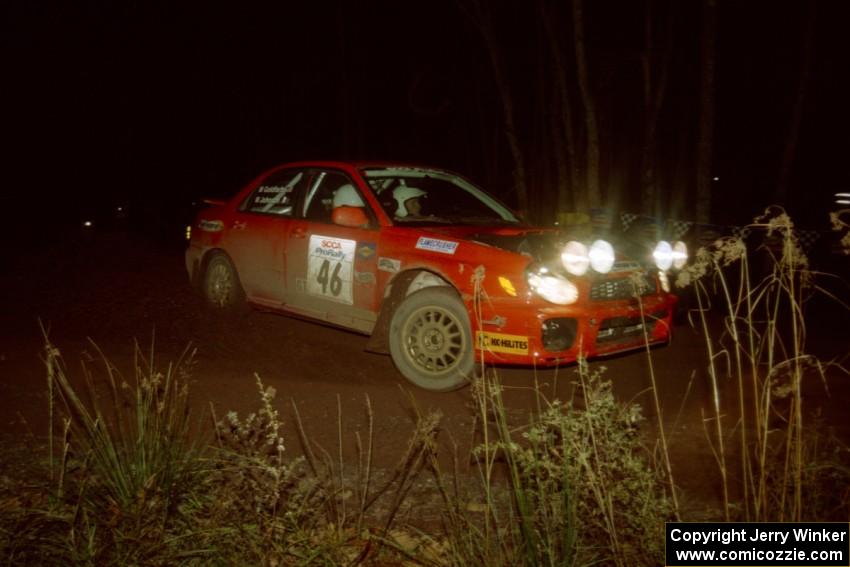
277,193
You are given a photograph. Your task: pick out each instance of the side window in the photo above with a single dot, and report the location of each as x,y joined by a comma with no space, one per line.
319,202
277,194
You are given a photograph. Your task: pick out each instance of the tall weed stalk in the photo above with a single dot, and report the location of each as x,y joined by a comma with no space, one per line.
761,346
129,463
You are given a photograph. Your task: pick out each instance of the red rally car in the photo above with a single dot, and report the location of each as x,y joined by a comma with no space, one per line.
440,274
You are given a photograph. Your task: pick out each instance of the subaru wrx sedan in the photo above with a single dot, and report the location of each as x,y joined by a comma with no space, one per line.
437,272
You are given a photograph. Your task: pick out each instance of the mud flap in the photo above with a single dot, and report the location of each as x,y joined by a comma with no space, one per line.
378,341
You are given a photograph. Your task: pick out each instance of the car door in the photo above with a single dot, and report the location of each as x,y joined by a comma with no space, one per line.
256,237
332,268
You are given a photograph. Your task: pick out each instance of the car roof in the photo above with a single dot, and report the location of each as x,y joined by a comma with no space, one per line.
356,164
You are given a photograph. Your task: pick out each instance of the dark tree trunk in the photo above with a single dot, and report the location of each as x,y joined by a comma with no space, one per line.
563,131
655,64
593,196
781,196
478,11
705,146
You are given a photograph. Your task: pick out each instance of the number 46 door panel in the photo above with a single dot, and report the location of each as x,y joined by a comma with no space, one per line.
332,273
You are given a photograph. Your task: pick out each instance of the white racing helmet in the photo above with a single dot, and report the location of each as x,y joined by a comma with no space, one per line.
347,196
401,194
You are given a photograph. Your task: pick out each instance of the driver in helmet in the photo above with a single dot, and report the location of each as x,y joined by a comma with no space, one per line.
349,208
347,196
409,202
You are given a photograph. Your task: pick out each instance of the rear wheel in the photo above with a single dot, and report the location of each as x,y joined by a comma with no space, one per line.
430,340
221,286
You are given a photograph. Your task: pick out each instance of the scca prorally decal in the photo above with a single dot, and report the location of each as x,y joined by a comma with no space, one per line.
436,245
330,268
389,265
210,225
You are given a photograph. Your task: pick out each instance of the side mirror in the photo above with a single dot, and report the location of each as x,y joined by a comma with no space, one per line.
350,216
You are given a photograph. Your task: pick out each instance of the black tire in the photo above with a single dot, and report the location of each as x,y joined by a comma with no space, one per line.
431,341
220,285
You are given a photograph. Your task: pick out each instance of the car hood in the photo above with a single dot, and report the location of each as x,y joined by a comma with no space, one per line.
542,245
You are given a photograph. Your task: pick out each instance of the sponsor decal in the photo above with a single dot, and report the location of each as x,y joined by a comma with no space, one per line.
330,272
498,342
436,245
389,265
364,277
210,225
366,250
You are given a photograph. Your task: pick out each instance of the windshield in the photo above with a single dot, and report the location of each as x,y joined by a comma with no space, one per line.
414,195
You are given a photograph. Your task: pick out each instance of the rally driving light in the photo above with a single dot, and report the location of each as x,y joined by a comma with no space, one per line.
680,255
553,289
575,258
601,256
663,255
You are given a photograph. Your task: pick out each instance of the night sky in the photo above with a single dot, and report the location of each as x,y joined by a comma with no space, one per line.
155,103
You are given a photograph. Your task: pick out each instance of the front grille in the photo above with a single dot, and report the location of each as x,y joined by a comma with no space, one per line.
621,288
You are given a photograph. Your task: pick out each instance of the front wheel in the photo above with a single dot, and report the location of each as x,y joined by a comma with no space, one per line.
430,340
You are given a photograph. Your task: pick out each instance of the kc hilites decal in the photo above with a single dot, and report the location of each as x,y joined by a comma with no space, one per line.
498,342
330,268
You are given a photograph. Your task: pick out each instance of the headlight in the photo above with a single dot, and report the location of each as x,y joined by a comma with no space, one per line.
680,255
575,258
663,255
665,281
601,256
553,289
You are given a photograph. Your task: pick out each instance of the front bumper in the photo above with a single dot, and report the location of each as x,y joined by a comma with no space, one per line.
539,334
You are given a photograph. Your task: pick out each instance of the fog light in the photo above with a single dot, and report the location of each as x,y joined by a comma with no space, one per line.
559,334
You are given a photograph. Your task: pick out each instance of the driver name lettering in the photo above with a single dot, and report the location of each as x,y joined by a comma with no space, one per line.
436,245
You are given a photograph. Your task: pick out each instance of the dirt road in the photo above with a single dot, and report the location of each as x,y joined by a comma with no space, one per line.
118,289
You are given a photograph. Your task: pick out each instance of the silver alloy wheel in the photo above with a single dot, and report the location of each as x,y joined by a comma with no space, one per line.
433,340
430,339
